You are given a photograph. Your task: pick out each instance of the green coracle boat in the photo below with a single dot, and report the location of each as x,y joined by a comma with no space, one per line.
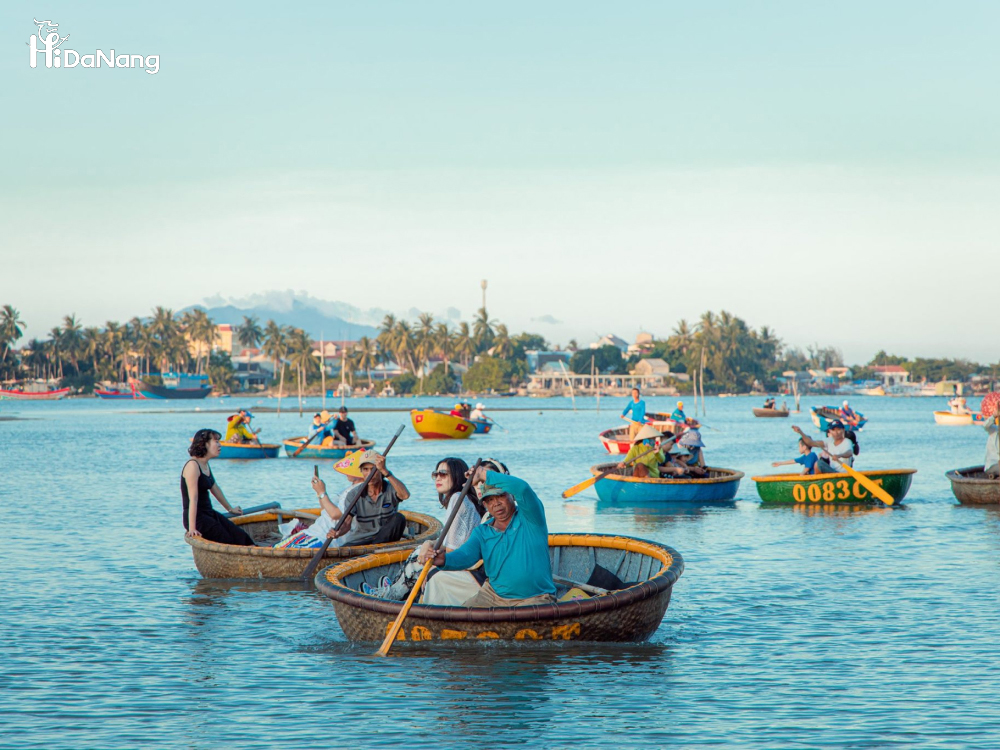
832,489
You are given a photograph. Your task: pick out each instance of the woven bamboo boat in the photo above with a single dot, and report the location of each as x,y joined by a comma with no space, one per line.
832,489
822,416
973,487
215,560
957,420
248,450
629,614
620,487
758,412
319,451
434,425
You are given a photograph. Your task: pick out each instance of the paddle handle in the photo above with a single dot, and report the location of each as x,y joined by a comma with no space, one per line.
415,591
302,447
318,557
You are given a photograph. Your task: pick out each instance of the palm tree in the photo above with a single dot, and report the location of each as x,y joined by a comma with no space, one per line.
275,347
10,330
482,329
368,356
464,345
55,351
248,333
71,340
444,344
502,346
90,347
572,345
402,345
302,359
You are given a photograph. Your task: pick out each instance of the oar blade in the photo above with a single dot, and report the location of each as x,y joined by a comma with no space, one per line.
398,623
868,484
578,488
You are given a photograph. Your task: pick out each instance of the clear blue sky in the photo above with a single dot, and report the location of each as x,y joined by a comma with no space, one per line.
617,167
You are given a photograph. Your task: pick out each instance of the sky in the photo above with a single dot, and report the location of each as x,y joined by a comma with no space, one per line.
831,171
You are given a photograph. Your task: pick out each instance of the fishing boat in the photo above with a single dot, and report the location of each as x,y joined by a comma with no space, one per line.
117,394
434,425
216,560
632,613
972,486
832,488
249,450
758,412
957,420
616,440
175,386
35,395
618,487
823,415
314,450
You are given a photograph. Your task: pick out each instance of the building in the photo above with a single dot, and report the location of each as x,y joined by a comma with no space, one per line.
537,360
891,375
611,340
223,338
253,369
643,343
654,370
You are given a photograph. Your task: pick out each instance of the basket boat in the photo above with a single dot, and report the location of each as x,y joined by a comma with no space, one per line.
216,560
619,487
616,440
957,420
483,426
972,486
248,450
758,412
318,451
823,415
629,614
434,425
832,489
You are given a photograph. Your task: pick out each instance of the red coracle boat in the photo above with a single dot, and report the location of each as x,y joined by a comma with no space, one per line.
118,393
616,442
40,396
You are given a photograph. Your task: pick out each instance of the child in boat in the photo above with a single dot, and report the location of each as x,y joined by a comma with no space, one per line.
808,459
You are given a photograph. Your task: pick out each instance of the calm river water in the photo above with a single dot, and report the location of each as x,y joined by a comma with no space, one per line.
872,628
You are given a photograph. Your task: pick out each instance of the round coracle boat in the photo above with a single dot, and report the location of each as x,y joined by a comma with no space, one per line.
483,426
621,487
647,571
215,560
248,450
957,420
972,486
322,451
832,489
758,412
616,440
433,425
822,416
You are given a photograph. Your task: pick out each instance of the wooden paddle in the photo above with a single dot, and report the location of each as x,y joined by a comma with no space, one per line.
869,485
255,509
578,488
415,591
302,447
314,563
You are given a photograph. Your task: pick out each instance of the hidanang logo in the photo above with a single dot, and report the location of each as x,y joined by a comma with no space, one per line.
47,42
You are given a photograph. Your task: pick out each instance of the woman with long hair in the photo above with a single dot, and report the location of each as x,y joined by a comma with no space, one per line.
197,481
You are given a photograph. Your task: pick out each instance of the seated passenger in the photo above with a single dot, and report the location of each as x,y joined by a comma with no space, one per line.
238,428
513,545
332,509
197,481
837,449
647,461
808,459
344,431
691,439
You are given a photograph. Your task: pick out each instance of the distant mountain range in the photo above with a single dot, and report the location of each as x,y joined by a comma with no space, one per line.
319,318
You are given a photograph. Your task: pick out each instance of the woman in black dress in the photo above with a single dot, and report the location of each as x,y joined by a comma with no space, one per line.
200,519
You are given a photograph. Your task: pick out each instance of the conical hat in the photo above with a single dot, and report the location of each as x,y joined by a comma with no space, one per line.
350,465
646,433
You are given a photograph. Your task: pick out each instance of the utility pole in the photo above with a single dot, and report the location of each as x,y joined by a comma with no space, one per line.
483,285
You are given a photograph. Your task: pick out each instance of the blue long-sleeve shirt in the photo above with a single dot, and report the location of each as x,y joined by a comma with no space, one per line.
517,558
638,409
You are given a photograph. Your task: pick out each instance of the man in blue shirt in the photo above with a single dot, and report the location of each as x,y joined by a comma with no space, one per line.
514,546
638,410
678,414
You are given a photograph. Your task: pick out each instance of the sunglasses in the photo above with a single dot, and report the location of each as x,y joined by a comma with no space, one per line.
439,474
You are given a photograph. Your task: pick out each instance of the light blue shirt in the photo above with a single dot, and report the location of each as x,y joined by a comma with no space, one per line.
638,409
517,558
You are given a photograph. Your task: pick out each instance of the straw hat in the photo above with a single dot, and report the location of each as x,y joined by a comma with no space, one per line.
350,465
647,432
324,415
680,404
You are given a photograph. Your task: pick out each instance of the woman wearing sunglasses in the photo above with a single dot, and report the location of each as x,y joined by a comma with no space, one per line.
447,588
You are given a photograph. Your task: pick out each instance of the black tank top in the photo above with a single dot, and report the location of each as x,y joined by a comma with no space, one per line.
205,483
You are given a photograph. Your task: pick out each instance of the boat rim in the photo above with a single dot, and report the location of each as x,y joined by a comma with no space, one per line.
297,441
733,476
821,477
955,475
329,582
249,445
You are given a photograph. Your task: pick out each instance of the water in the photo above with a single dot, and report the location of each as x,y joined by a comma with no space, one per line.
870,628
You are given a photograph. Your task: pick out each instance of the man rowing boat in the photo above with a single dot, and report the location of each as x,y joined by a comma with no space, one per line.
637,408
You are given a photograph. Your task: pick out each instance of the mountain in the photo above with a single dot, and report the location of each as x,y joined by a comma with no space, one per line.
318,318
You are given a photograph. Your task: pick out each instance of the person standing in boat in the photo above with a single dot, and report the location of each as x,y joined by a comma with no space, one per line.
637,408
837,449
513,545
991,463
197,481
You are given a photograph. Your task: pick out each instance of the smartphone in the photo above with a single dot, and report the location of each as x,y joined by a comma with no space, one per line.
316,470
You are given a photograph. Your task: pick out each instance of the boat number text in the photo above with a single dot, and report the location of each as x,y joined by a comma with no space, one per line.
829,491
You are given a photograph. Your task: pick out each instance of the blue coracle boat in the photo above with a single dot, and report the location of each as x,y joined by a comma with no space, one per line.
823,415
248,450
720,485
482,425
